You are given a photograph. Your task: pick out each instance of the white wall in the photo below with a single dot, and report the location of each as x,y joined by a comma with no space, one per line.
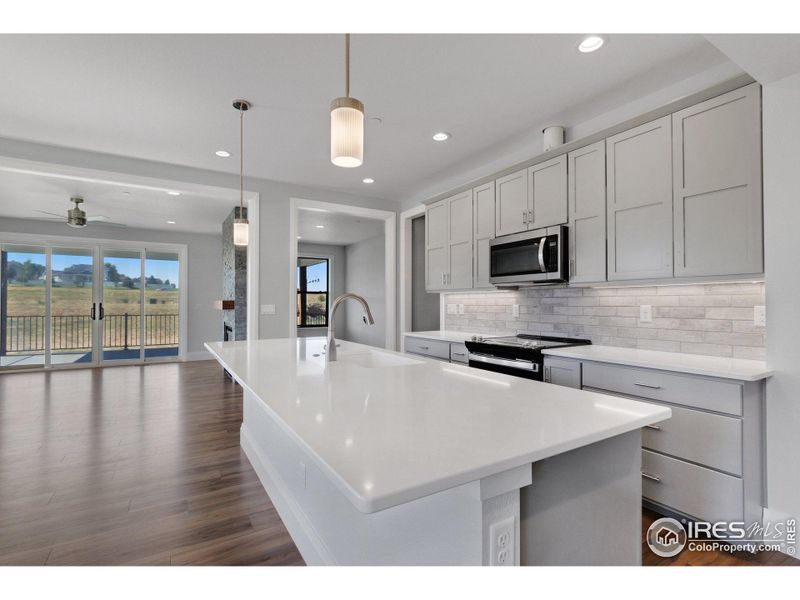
336,278
365,276
781,123
205,267
274,215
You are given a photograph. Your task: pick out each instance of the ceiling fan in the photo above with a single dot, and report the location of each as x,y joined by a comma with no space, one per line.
76,217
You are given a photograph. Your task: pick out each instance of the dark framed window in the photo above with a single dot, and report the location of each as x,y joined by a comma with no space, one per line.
312,292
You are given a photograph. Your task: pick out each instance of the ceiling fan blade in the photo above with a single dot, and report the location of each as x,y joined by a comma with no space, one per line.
44,212
59,219
109,223
98,219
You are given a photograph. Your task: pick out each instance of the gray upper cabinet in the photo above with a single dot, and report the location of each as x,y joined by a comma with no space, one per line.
639,202
436,245
483,232
448,243
459,273
511,210
547,193
587,214
717,186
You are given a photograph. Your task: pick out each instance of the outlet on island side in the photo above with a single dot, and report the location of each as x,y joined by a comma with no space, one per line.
645,313
502,543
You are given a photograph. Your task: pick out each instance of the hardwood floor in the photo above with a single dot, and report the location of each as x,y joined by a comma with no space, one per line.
131,466
142,466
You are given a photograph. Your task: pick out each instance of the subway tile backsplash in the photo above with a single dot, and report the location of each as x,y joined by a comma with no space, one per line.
712,319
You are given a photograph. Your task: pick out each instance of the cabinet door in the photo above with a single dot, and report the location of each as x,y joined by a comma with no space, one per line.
483,233
562,371
459,273
511,208
547,193
436,246
639,202
717,186
587,213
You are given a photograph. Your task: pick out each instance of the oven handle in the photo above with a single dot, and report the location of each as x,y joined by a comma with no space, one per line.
511,363
542,242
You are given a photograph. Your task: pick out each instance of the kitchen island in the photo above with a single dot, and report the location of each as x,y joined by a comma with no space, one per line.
381,458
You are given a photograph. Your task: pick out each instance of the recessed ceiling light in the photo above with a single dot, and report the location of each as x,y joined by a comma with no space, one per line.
591,43
320,226
171,222
222,153
299,238
173,193
441,136
368,180
126,193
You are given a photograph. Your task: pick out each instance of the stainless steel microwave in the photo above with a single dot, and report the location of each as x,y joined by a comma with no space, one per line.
530,257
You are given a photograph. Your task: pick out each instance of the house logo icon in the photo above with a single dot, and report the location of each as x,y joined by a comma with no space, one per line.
666,537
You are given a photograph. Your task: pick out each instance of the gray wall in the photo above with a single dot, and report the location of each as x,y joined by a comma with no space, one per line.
365,275
274,217
781,126
337,266
424,306
205,267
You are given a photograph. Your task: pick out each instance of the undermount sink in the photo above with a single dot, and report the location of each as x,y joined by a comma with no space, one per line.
377,360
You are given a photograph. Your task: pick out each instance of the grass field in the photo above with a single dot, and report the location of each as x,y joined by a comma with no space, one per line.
29,300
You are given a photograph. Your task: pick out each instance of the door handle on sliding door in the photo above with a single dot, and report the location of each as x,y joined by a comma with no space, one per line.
94,311
102,312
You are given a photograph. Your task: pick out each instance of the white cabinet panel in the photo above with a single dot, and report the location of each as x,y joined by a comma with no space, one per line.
459,273
511,203
717,186
560,371
587,213
639,202
436,246
547,193
483,228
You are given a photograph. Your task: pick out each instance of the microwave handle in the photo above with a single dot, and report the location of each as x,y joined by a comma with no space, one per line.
542,243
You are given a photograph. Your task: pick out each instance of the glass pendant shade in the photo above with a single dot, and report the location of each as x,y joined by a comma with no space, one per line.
347,132
241,232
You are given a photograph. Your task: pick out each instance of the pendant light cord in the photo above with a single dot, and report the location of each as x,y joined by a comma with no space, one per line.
241,161
347,65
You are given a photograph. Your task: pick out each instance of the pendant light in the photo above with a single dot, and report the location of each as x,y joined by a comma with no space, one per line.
347,123
241,226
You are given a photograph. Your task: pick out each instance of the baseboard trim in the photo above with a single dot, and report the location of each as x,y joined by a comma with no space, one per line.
199,355
308,542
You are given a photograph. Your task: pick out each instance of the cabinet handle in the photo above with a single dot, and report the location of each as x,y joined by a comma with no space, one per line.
442,279
651,477
656,427
458,354
424,347
547,374
524,217
648,386
530,216
571,267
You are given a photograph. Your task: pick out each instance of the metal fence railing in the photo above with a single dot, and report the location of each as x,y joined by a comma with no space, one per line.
26,333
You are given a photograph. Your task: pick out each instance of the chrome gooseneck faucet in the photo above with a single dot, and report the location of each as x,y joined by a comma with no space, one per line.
330,355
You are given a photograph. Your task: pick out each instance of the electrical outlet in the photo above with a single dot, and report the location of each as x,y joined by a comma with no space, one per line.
645,313
515,310
760,316
502,543
452,309
461,309
267,309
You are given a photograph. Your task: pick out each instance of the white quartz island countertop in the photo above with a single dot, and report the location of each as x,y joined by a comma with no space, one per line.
387,429
739,369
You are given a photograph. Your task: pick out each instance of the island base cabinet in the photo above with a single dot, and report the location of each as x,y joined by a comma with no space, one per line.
580,507
584,507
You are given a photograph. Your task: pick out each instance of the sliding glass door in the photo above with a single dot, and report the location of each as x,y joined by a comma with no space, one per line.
90,304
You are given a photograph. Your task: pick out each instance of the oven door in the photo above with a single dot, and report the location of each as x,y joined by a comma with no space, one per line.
510,366
528,257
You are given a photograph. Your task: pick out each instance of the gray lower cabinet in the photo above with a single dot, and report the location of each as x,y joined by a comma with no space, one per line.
639,202
438,349
706,461
717,186
560,371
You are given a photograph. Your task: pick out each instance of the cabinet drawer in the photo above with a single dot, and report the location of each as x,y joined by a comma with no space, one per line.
705,438
710,394
435,348
459,353
699,492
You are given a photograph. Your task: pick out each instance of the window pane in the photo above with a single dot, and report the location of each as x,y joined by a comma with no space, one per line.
312,292
122,280
22,306
71,305
161,304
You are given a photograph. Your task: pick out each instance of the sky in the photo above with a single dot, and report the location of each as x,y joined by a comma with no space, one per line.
162,269
317,277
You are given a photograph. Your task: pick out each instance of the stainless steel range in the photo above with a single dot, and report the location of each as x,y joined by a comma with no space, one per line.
519,355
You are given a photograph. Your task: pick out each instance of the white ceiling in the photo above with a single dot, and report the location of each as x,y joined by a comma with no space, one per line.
168,97
337,229
23,194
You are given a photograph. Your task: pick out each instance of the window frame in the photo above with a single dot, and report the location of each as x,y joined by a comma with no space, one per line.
302,293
